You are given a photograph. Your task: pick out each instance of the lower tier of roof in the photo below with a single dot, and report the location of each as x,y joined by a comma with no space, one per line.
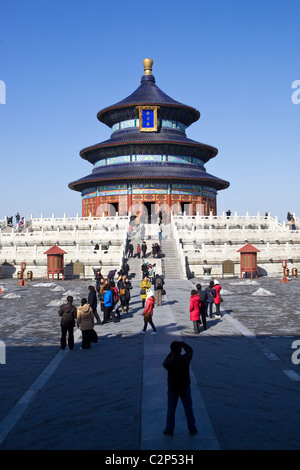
150,171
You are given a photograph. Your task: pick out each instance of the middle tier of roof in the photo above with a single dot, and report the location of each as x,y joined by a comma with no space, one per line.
134,142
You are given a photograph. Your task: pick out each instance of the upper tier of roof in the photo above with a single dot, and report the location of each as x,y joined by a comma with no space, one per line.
148,93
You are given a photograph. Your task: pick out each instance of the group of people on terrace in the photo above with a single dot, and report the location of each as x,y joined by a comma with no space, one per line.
20,221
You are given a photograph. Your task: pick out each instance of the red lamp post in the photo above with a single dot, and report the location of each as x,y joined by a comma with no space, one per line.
284,265
22,280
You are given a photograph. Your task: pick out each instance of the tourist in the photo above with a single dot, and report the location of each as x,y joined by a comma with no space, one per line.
217,288
145,285
85,321
158,283
138,250
111,275
195,310
125,269
103,283
92,301
17,218
21,224
148,313
228,213
115,292
156,250
125,297
150,272
203,297
160,231
144,249
130,230
67,312
293,223
130,250
122,291
144,270
108,303
179,381
98,277
211,293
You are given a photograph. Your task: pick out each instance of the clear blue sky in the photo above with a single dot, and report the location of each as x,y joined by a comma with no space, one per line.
235,61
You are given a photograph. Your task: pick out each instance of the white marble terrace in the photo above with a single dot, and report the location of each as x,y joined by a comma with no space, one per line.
209,241
77,236
200,242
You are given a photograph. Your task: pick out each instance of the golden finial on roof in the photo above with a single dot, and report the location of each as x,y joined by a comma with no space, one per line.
148,66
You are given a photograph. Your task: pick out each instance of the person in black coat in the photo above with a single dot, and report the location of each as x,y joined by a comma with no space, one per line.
211,294
144,249
124,286
92,301
130,250
203,298
125,269
179,381
68,313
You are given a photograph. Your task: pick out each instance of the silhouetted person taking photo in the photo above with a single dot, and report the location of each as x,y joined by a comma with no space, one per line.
178,367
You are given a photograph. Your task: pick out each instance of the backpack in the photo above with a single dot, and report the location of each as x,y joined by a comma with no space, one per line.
158,283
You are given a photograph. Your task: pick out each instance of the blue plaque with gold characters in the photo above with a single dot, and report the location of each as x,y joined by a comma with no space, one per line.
148,118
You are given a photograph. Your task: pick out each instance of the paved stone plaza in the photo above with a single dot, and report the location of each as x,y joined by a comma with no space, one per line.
245,386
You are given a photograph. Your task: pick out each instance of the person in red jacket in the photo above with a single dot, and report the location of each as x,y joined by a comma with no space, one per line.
148,312
195,310
217,299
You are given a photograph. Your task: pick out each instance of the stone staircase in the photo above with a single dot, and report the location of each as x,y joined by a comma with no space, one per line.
168,265
170,262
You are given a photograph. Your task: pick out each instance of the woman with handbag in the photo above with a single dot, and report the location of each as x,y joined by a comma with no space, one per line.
218,298
85,321
145,285
128,287
148,313
124,286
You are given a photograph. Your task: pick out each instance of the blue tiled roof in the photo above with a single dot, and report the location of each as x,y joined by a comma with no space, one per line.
134,142
148,93
148,171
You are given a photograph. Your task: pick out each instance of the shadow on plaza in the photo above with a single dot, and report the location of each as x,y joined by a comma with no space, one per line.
97,392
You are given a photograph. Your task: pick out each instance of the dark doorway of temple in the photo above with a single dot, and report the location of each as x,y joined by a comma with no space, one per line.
150,206
185,207
114,207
